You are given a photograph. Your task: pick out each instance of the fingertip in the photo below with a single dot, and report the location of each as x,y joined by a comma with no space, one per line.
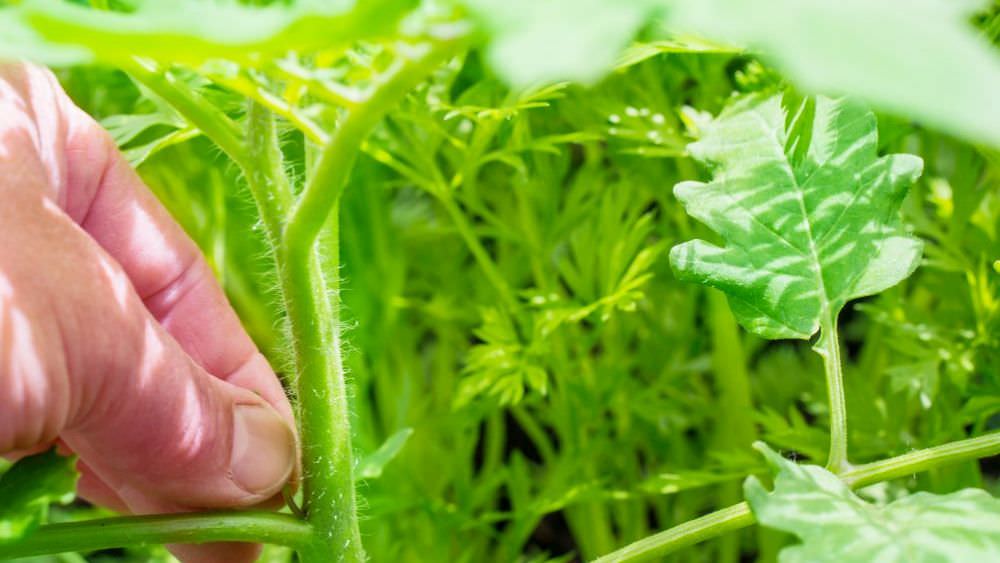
264,451
257,375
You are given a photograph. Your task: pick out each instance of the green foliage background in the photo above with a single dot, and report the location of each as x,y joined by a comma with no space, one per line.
509,301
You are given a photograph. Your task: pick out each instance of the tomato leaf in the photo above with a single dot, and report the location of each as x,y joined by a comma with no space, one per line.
898,55
808,211
835,525
189,31
535,41
27,489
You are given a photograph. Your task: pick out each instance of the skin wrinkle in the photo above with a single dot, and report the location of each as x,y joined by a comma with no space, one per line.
87,164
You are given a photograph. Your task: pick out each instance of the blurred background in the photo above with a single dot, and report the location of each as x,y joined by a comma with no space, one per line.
529,381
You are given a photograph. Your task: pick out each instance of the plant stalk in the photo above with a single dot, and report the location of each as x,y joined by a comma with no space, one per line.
201,113
313,304
202,527
829,348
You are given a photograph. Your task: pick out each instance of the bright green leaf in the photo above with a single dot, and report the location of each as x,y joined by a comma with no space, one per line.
189,31
808,212
27,489
535,41
837,526
920,58
19,41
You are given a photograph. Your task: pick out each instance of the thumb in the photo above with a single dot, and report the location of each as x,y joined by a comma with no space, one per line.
166,435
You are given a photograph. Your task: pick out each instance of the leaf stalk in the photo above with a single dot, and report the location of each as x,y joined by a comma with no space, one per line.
829,348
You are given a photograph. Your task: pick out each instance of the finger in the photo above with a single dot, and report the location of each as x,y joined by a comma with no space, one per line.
82,358
104,195
88,177
97,492
166,268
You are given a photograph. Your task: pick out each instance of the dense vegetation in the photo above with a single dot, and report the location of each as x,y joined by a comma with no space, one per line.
527,371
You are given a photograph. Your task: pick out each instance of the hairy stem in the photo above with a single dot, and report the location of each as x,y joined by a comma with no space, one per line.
829,348
322,191
313,304
324,422
739,516
265,172
201,113
203,527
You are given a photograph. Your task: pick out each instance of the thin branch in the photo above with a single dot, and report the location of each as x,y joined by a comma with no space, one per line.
247,87
325,186
265,173
106,533
329,92
201,113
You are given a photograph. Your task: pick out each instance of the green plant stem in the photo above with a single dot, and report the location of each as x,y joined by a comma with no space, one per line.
324,422
922,460
324,188
106,533
313,305
689,533
829,348
201,113
265,174
739,516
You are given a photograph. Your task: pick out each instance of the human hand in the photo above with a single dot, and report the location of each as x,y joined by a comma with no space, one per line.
115,339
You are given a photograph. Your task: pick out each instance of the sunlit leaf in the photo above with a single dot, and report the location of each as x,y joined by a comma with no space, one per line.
808,212
835,525
544,40
919,58
190,31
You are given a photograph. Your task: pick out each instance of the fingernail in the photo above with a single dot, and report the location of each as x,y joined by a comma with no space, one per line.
263,450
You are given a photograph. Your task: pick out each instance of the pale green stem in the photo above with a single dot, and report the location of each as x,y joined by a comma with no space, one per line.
323,190
313,306
201,113
686,534
829,348
324,422
265,172
105,533
739,516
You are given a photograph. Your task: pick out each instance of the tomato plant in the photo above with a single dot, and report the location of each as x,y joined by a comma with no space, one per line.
468,231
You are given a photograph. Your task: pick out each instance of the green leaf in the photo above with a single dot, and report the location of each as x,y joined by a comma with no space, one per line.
190,31
535,41
19,41
808,212
371,466
919,58
27,489
836,525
